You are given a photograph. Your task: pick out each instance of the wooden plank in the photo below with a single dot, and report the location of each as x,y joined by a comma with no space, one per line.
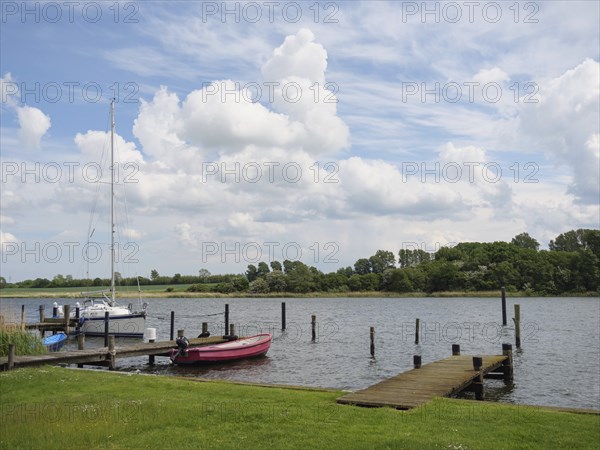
414,387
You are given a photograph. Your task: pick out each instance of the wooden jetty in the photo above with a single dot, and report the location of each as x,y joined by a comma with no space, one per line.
442,378
104,356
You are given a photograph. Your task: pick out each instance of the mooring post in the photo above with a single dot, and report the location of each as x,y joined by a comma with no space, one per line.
67,311
180,333
151,340
313,324
517,320
42,313
226,318
455,349
111,353
106,328
11,356
478,380
77,317
231,329
507,364
417,361
172,333
417,329
22,317
204,327
503,305
282,316
55,310
372,334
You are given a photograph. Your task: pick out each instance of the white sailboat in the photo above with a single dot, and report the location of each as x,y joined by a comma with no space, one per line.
123,321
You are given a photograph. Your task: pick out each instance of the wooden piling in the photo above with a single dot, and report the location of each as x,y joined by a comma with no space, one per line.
204,327
54,312
503,305
11,356
151,357
313,324
372,334
180,333
417,361
42,313
106,322
507,365
517,320
226,318
22,317
172,333
80,345
78,316
417,329
67,317
282,316
455,349
111,353
477,385
231,329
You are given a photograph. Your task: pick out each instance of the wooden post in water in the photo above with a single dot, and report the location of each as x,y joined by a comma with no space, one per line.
54,311
503,305
517,320
204,327
226,318
372,334
106,328
42,313
77,316
507,365
67,317
455,349
172,333
180,333
313,323
151,357
478,381
22,317
11,356
282,316
231,329
417,329
417,361
111,353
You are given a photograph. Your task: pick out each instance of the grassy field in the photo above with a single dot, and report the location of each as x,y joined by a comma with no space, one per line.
57,408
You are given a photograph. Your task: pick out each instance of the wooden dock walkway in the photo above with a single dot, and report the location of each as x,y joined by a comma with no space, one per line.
442,378
103,356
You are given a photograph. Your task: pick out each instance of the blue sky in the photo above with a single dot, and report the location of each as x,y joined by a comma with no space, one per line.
398,119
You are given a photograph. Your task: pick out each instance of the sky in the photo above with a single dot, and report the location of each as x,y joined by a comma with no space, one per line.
312,131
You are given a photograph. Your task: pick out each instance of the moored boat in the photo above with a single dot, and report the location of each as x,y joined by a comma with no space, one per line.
55,342
248,347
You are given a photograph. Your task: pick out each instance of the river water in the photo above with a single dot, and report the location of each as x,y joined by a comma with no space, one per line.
558,363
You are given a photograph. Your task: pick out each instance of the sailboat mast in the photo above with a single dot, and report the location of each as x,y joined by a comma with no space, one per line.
112,201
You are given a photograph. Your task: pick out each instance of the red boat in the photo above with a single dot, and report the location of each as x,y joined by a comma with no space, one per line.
227,351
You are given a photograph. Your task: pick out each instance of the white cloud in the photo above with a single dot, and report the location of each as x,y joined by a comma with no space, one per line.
494,75
34,124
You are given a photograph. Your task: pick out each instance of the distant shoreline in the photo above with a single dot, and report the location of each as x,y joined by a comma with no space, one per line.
45,294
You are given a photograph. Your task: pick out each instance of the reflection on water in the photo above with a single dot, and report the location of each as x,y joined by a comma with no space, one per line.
560,341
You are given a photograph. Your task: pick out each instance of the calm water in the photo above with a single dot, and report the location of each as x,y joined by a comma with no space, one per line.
558,364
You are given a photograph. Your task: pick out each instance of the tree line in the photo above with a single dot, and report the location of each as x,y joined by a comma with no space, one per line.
571,265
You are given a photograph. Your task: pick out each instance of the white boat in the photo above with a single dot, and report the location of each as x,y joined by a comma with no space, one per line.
123,321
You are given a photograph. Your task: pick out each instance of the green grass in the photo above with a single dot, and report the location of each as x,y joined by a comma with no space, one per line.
25,343
56,408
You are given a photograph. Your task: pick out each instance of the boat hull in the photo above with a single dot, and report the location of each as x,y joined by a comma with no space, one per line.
131,325
250,347
55,342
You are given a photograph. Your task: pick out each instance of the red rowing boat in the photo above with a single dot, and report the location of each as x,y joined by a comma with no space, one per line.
228,351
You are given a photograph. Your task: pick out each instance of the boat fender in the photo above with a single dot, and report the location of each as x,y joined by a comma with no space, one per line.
130,307
204,335
182,344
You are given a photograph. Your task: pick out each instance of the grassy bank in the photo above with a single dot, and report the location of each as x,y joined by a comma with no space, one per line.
60,408
179,291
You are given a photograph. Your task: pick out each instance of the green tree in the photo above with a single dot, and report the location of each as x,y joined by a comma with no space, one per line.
523,240
202,273
381,261
154,274
362,266
277,281
263,269
251,273
276,265
258,286
2,282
